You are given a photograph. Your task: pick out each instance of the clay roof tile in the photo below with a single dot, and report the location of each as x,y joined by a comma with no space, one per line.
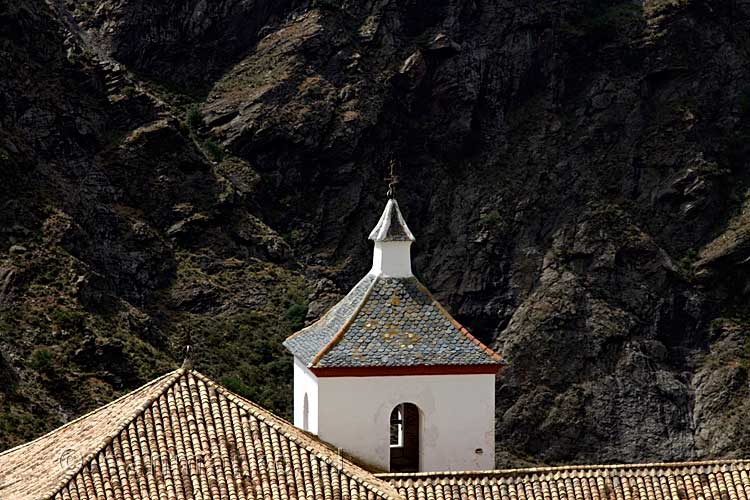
181,436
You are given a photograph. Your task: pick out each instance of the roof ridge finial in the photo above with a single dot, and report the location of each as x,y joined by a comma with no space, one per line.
187,363
392,179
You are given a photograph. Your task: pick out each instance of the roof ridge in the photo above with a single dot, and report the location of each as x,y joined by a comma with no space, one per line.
312,445
342,331
492,354
169,379
561,468
85,415
324,316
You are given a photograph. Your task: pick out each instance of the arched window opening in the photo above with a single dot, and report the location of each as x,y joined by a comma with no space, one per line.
404,438
397,427
305,413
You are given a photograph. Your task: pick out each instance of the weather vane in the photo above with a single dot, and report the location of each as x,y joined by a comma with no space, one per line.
392,179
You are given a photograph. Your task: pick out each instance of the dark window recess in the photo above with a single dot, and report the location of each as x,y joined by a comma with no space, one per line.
397,427
404,427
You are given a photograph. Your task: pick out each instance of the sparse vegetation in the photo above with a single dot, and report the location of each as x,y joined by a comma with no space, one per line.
242,347
326,4
295,315
237,386
690,257
491,218
42,361
82,8
129,91
80,56
215,152
194,118
599,22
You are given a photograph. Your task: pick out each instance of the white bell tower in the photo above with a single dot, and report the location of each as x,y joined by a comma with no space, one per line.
389,376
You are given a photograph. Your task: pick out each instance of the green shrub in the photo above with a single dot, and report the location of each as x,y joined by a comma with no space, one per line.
238,387
42,360
491,218
690,257
67,319
84,9
128,91
295,315
183,127
194,118
214,150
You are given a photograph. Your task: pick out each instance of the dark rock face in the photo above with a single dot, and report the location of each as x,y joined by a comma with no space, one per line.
184,43
575,173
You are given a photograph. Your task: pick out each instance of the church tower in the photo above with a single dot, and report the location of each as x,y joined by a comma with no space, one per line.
390,377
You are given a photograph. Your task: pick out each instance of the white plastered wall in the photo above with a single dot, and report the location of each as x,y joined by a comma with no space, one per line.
305,383
392,259
457,417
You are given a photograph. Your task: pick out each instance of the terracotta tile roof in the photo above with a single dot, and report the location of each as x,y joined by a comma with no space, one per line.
396,322
391,226
182,437
716,480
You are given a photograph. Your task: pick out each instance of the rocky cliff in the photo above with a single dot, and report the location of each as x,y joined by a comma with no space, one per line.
202,172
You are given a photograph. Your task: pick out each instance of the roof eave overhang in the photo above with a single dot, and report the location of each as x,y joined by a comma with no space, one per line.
387,371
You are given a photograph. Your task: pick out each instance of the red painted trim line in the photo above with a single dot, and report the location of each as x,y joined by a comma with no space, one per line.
383,371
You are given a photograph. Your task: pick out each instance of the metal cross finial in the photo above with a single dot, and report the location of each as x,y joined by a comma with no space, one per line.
392,180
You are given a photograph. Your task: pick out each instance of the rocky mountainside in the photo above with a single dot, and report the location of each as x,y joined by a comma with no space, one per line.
206,173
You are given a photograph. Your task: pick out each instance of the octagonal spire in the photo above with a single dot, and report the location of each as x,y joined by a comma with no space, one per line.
391,226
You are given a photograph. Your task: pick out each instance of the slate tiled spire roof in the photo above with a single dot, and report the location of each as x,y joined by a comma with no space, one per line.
307,343
389,322
182,437
391,226
716,480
